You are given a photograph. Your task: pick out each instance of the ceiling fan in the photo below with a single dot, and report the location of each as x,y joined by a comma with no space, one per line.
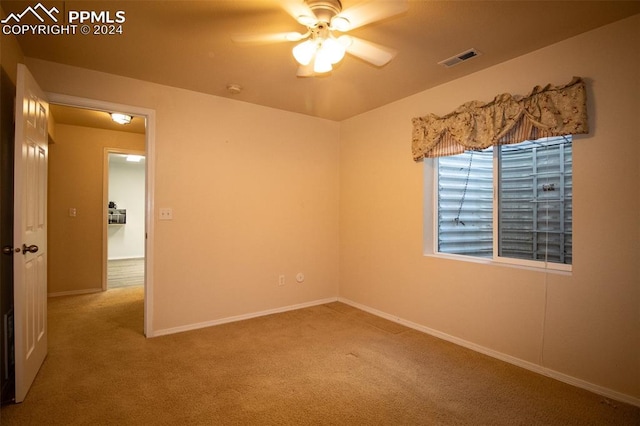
322,45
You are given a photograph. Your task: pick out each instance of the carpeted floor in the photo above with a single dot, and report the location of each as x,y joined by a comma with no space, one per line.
324,365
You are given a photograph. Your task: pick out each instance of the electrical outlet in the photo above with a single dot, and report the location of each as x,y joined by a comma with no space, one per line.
166,214
300,277
281,280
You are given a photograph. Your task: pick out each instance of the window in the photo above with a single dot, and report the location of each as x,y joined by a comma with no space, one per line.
528,221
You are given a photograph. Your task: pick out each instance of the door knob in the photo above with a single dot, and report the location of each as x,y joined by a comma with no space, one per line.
29,249
9,250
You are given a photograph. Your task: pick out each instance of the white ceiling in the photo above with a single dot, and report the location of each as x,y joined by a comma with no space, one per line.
188,44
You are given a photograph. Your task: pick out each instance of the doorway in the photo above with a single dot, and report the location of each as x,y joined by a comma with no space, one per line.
147,117
80,189
125,181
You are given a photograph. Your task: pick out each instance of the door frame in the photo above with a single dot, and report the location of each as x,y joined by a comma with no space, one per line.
150,132
105,200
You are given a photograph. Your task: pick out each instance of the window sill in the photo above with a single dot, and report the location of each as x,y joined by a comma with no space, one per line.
555,268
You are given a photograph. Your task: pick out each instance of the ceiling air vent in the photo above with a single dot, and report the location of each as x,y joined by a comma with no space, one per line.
460,57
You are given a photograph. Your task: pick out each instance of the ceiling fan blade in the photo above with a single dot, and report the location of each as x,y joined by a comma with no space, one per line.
297,8
374,53
372,11
267,38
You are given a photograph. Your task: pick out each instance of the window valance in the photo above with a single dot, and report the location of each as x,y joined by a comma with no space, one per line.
547,111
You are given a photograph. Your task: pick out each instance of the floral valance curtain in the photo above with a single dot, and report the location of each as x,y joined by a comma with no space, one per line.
547,111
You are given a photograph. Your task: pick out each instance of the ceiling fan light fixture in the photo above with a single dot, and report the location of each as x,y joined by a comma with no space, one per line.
322,63
333,50
325,43
304,52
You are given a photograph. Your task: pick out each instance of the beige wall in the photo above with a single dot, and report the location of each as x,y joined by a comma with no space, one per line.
76,180
589,328
254,193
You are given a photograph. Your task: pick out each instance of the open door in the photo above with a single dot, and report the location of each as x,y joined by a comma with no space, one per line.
30,231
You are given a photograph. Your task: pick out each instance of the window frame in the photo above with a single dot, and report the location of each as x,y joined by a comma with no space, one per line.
430,215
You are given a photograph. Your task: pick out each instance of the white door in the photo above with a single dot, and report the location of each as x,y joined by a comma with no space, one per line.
30,231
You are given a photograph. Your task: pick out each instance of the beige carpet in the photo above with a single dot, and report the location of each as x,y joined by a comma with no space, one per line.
325,365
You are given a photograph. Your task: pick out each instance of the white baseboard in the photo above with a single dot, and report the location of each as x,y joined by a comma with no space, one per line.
600,390
74,292
172,330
